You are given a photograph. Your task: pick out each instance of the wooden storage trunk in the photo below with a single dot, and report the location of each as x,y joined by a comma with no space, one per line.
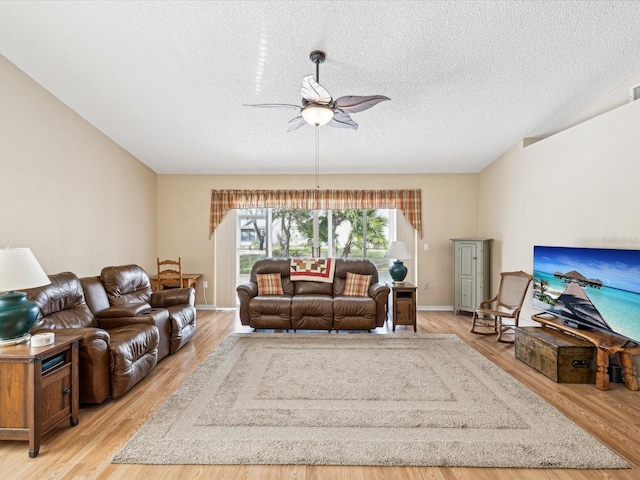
561,357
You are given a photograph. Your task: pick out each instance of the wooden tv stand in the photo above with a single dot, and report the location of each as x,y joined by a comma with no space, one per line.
606,343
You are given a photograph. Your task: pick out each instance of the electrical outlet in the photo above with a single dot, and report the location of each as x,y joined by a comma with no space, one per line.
205,284
426,285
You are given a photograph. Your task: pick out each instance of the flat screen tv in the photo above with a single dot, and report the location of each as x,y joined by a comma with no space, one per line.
596,288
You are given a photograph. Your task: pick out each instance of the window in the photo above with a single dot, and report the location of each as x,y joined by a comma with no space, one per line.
284,232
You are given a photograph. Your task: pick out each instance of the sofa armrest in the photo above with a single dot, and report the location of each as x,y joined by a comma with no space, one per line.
173,296
379,289
380,293
89,334
109,323
250,289
124,310
246,292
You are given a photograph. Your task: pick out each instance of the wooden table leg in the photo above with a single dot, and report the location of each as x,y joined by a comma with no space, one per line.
629,379
602,375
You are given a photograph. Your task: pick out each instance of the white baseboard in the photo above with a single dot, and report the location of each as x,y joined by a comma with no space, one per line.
206,307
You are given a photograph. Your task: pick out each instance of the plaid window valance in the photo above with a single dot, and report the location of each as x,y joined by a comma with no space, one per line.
408,201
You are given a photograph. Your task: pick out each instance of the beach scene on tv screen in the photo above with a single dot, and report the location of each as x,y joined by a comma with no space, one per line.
599,287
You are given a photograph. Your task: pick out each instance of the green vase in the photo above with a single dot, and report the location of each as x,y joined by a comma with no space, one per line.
398,271
17,315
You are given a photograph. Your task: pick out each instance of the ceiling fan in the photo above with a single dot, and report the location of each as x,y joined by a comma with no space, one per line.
319,108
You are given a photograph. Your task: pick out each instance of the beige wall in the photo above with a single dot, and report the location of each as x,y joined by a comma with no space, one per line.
449,206
68,192
577,188
618,97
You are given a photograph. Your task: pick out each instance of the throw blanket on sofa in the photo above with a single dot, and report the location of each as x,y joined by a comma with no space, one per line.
313,269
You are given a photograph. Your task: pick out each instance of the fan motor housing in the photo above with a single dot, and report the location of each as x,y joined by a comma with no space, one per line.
317,56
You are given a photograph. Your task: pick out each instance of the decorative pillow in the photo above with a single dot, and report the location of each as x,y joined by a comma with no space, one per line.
269,284
357,285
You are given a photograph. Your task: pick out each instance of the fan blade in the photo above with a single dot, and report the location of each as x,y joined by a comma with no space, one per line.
295,124
314,92
342,120
272,105
355,104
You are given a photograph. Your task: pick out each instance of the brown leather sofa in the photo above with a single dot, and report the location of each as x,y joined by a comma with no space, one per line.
122,294
125,328
313,305
111,359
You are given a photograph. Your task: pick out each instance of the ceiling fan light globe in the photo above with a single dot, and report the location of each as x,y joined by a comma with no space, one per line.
317,115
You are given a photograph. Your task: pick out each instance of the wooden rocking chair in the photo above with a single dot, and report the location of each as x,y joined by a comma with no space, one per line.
508,302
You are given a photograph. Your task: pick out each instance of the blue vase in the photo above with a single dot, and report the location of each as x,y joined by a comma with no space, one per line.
17,315
398,271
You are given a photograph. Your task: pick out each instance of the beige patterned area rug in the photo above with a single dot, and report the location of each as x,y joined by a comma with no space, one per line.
361,399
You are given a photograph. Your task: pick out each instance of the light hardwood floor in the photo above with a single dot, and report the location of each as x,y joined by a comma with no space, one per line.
85,451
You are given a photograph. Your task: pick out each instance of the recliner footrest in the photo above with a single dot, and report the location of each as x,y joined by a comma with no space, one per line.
133,352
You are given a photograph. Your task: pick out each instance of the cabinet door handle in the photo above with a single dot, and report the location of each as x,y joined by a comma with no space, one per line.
66,391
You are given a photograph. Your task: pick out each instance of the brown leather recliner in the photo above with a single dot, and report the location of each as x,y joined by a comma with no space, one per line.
122,294
111,360
125,314
353,313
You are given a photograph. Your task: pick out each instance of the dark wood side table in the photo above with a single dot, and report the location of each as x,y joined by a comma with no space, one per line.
402,304
39,389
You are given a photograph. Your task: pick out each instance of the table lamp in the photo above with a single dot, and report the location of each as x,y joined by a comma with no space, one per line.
19,270
399,251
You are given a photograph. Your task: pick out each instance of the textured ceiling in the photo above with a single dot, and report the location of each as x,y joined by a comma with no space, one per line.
167,80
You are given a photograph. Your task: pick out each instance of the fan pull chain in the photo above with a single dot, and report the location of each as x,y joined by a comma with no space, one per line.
317,169
315,252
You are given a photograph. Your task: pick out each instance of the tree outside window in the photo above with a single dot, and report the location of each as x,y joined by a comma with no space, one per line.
283,232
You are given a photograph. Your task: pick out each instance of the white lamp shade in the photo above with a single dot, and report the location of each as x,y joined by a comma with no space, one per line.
397,250
317,115
19,269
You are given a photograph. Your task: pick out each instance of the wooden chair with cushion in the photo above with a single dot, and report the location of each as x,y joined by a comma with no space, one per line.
169,274
506,305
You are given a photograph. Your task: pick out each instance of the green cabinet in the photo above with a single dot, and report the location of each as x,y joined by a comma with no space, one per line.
472,273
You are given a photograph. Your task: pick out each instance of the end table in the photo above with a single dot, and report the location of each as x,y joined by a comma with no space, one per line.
40,389
402,306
